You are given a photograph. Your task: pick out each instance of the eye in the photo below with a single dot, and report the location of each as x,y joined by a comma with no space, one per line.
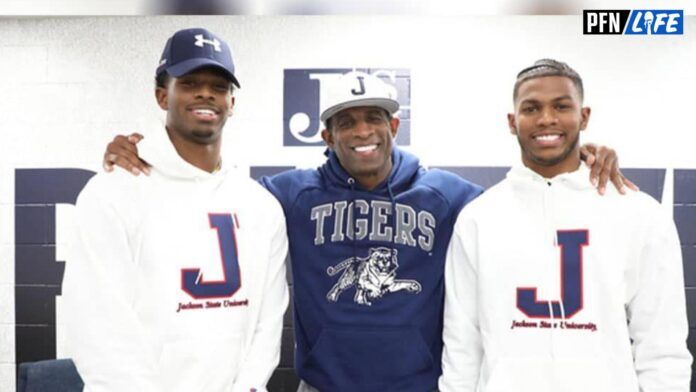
528,109
563,106
344,123
222,88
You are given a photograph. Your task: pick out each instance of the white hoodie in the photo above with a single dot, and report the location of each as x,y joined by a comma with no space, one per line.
134,323
622,326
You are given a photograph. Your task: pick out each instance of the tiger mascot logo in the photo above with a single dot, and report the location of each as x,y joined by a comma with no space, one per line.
373,276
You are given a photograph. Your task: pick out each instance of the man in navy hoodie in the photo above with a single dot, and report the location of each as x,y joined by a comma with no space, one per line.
368,232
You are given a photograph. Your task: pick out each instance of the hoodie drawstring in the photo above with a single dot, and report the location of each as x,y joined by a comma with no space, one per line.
393,207
549,230
351,182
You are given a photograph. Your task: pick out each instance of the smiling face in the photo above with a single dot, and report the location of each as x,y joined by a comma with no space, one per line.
362,138
547,121
197,104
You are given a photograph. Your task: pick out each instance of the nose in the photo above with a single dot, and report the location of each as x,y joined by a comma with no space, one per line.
205,91
363,129
547,117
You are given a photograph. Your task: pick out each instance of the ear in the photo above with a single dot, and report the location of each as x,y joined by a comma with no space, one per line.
328,138
394,124
229,112
585,117
162,98
512,123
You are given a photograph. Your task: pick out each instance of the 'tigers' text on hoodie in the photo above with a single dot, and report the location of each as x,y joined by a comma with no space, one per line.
336,221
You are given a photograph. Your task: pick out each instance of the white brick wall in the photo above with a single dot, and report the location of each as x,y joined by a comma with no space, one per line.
6,276
7,374
90,77
6,329
72,7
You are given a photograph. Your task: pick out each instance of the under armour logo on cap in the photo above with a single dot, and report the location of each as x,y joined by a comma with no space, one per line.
208,50
200,41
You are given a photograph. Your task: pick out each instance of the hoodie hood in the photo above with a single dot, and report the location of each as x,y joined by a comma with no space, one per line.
404,170
157,150
579,179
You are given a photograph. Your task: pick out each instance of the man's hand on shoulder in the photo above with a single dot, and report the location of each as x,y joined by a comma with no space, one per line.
123,152
604,166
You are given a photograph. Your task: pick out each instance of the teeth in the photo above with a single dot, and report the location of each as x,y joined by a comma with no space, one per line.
365,148
205,112
547,138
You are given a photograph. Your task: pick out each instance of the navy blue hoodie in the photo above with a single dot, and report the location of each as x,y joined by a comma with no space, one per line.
369,285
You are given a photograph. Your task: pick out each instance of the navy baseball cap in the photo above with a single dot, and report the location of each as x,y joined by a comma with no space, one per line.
191,49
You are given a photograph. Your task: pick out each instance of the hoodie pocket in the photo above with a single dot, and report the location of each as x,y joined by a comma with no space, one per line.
367,357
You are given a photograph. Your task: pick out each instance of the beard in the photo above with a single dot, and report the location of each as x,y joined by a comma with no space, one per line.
202,134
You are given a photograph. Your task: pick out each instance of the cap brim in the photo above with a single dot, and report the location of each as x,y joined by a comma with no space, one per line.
387,104
188,66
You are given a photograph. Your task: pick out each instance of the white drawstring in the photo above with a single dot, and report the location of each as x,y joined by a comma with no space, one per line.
549,230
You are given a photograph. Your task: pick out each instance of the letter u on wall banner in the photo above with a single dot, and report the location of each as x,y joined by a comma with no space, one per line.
303,90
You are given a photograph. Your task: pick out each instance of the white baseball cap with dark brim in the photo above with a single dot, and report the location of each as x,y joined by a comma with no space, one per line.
356,89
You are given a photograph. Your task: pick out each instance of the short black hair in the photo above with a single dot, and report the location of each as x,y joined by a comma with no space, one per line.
163,79
548,67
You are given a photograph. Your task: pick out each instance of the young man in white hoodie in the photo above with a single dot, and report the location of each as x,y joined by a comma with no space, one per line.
550,287
177,282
